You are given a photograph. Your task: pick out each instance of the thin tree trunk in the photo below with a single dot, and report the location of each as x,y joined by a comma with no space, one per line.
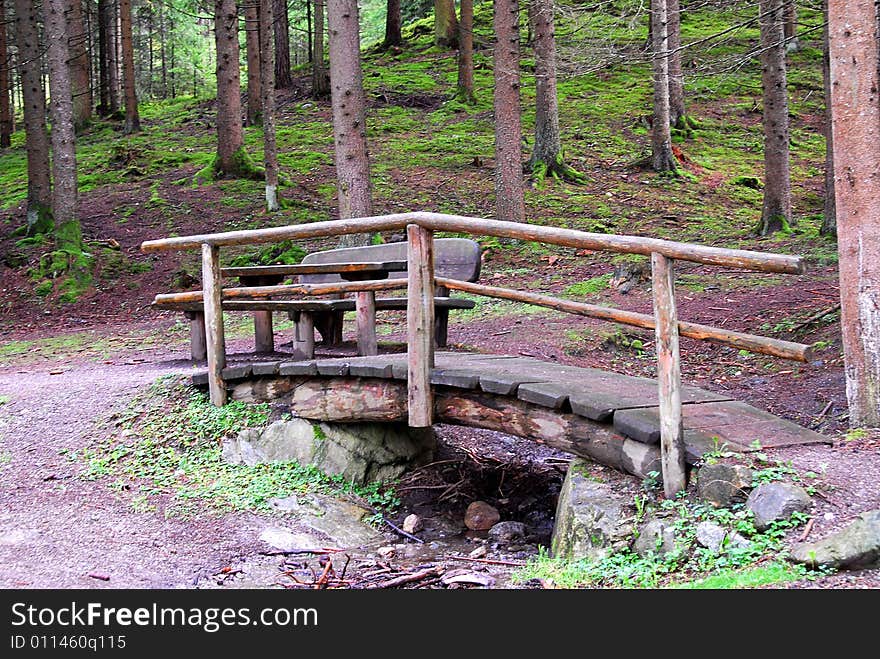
790,29
854,59
466,53
103,57
662,158
776,209
393,37
283,79
6,121
163,46
829,219
39,198
509,200
132,116
677,113
68,235
266,16
349,115
320,76
79,65
252,43
113,57
445,24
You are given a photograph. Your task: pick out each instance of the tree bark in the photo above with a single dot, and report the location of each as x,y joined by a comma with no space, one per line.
790,26
677,113
465,90
79,65
445,24
267,63
7,125
283,79
320,76
662,158
855,108
104,40
349,115
132,116
230,137
509,200
776,209
252,46
829,219
68,234
39,199
393,38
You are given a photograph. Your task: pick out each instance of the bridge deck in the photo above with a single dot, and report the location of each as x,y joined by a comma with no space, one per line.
624,403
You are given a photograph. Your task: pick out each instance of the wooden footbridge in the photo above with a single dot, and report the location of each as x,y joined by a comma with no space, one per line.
636,424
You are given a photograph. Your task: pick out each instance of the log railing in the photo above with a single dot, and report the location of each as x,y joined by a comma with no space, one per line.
420,283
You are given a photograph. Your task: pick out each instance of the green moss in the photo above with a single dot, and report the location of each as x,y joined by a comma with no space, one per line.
589,287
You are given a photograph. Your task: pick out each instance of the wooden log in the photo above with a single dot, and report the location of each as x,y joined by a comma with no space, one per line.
198,346
759,344
215,338
420,325
733,258
285,289
365,312
313,269
345,399
264,339
672,453
304,336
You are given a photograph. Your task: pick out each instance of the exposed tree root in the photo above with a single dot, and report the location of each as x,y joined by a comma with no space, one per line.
557,169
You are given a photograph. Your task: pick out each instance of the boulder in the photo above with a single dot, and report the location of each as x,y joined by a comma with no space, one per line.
505,533
591,518
722,485
656,535
856,546
360,452
717,538
771,502
480,516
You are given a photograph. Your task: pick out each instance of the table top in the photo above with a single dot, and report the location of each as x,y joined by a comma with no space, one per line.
347,270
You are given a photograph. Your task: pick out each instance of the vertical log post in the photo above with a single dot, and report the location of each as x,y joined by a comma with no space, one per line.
215,339
365,310
420,324
668,375
264,337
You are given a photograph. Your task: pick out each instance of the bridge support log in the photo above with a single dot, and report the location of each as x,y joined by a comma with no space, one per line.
672,450
420,325
215,338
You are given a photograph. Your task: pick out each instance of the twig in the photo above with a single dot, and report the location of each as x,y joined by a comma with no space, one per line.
403,533
823,412
435,571
489,561
814,317
291,552
807,529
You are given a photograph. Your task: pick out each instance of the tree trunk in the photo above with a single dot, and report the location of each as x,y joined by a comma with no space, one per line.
79,65
113,57
132,116
320,76
662,159
509,200
776,209
6,121
266,17
252,43
547,155
393,37
349,115
677,114
790,29
230,138
283,79
39,199
855,108
445,24
104,41
466,53
829,219
68,235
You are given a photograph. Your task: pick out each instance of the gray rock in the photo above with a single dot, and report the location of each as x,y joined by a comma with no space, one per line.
722,485
505,533
717,538
776,501
360,452
412,523
341,521
655,535
591,518
285,540
856,546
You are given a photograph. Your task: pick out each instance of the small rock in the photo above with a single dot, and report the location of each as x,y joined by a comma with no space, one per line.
723,485
480,516
857,545
100,576
468,578
385,552
479,552
775,501
657,536
284,540
412,523
716,537
505,533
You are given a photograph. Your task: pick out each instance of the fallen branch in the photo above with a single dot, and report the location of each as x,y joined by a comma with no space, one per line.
403,533
815,317
435,571
807,529
488,561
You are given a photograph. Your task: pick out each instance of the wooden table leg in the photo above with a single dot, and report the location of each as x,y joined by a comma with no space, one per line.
198,345
365,308
304,335
264,340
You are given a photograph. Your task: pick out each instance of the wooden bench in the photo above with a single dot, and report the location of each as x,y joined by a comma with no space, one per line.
455,258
